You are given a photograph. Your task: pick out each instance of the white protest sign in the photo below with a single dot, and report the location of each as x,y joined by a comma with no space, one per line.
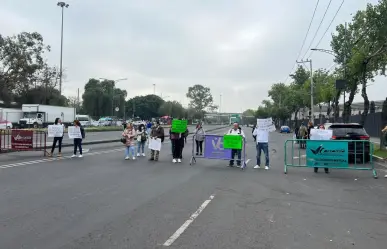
74,132
55,130
265,124
155,144
319,134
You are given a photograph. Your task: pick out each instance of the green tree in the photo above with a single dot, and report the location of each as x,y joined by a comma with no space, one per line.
145,107
201,98
173,109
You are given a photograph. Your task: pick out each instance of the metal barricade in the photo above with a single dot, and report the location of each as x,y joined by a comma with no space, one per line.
330,154
23,140
213,149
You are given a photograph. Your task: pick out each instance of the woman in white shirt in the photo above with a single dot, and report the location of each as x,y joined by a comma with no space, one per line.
58,140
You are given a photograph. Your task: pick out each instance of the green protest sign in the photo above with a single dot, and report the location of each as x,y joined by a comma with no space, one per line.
179,126
232,142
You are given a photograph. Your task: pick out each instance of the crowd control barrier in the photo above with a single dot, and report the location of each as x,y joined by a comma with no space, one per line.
213,148
331,154
22,140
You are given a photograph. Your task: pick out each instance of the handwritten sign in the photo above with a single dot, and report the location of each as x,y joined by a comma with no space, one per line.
74,132
55,130
179,126
155,144
319,134
232,142
265,125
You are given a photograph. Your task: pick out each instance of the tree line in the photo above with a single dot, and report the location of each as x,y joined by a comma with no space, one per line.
360,53
26,77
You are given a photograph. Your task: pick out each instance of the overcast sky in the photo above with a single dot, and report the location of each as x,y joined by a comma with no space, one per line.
237,48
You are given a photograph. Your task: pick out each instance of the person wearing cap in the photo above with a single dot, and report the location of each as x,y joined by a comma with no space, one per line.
237,131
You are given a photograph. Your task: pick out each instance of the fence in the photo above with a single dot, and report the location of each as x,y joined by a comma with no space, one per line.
329,154
22,140
213,149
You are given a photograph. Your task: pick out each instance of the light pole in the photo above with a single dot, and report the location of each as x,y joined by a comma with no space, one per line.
62,5
311,89
115,82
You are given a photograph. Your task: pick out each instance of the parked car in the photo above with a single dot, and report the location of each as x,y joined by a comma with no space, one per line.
285,129
4,124
356,133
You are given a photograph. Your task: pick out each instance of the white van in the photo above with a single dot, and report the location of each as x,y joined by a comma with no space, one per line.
85,120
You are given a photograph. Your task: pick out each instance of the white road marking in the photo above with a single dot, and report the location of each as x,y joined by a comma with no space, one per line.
6,166
247,161
181,229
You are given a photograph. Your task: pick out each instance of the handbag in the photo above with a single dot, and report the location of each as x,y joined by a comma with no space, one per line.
123,140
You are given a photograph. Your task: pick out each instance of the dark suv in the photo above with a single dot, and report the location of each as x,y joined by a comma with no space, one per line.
356,133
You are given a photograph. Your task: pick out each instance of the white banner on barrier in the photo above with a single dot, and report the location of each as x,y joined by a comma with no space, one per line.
74,132
55,130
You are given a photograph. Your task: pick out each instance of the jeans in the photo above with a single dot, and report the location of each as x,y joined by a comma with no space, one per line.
77,144
59,140
265,148
199,147
141,146
239,153
129,150
177,145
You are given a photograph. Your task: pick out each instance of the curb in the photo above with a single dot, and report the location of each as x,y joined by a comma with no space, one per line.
380,160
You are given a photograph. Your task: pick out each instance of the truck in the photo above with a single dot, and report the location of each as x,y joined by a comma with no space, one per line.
85,120
9,117
36,115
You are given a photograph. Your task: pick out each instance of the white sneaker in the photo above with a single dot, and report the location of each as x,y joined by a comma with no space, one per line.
80,156
73,156
257,167
179,160
134,158
267,167
174,160
127,158
143,154
138,154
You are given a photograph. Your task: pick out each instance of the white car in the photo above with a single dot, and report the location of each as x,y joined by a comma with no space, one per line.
6,125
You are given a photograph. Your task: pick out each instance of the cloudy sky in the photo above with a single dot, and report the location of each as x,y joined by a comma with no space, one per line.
237,48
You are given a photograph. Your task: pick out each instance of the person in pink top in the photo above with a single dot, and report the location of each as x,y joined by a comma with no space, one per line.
129,134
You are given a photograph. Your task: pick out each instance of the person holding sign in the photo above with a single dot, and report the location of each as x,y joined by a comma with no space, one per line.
157,132
262,140
57,139
78,140
237,131
177,136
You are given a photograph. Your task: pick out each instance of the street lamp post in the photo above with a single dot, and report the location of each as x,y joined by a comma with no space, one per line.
62,5
115,82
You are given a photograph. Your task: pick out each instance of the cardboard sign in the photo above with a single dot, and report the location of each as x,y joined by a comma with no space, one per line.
55,130
232,142
265,125
179,126
74,132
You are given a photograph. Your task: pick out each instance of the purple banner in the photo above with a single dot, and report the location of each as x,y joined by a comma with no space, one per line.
213,148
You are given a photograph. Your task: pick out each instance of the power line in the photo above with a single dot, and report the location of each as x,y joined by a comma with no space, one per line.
318,28
330,24
303,43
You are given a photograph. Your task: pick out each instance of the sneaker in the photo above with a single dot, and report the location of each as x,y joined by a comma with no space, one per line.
267,167
138,154
257,167
134,158
73,156
80,156
127,158
174,160
151,159
179,160
143,154
59,155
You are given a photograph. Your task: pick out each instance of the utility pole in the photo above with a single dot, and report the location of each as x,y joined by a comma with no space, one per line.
62,5
311,88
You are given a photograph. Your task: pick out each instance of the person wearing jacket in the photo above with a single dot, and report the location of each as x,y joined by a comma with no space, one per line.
237,131
78,141
141,140
58,140
177,140
156,132
129,134
199,138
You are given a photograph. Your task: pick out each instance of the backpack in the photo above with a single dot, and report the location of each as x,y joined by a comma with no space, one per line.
303,131
83,132
143,137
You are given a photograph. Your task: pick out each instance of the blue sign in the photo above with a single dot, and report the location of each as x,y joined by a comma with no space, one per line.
213,148
326,154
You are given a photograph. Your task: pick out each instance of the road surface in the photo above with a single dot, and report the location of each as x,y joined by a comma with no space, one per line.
102,201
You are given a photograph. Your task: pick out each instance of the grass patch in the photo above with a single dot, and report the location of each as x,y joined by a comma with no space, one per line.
378,152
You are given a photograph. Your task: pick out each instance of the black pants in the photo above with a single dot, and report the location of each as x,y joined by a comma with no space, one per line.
177,148
59,140
77,144
239,153
199,147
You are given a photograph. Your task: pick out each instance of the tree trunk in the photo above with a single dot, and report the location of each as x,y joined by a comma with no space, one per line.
336,109
295,118
347,105
364,95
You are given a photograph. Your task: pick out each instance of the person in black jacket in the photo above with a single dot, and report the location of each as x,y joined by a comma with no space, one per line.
78,141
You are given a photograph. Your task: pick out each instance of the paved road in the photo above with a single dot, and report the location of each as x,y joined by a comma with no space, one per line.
102,201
